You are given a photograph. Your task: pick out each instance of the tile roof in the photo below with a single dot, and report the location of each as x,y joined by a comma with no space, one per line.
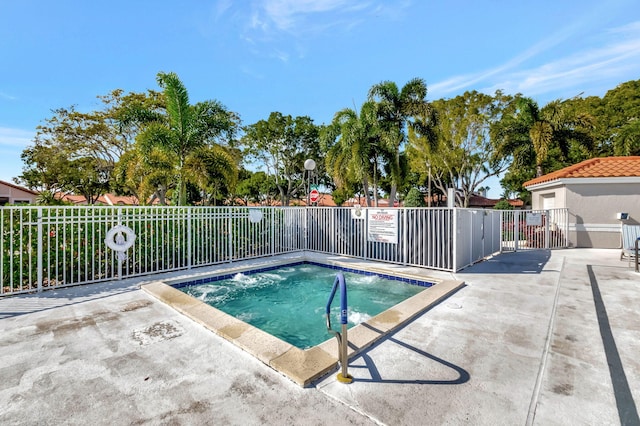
594,168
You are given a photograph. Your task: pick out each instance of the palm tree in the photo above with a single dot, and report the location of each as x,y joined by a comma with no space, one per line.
213,170
625,141
354,148
396,108
148,176
532,132
185,128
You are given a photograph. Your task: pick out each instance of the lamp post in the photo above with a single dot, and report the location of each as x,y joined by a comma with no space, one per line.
309,166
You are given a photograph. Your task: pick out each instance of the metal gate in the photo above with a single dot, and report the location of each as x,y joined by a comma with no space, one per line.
534,229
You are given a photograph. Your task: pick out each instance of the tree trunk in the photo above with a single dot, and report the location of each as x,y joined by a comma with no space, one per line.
365,187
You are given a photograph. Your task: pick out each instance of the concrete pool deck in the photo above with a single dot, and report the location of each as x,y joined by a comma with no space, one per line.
305,366
539,337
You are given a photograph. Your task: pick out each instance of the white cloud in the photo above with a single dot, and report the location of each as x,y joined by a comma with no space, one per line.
7,96
614,58
278,28
15,137
285,14
222,7
269,18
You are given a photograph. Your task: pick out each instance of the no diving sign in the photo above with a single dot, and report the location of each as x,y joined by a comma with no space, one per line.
382,226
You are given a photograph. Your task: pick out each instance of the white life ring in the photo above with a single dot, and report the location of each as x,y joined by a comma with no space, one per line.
120,243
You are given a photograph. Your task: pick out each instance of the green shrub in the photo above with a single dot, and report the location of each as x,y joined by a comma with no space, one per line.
415,198
503,205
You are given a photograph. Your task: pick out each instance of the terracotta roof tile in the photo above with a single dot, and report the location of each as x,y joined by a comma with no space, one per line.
595,167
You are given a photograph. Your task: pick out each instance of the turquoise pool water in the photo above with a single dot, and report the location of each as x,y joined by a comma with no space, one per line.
289,302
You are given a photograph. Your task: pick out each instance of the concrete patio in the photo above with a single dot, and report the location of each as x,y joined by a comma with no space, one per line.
539,337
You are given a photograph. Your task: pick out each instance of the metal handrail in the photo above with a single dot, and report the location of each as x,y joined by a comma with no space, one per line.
343,377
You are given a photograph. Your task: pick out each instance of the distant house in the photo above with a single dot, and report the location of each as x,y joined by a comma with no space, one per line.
103,200
14,194
120,200
594,191
480,202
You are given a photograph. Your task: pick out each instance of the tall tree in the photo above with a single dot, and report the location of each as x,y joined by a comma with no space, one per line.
620,116
147,176
256,187
354,149
73,152
281,144
460,152
531,133
214,171
185,128
397,109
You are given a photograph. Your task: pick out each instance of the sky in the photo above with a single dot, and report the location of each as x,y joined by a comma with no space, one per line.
303,57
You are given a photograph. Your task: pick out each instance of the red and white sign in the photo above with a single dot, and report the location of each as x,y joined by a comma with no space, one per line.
382,226
314,196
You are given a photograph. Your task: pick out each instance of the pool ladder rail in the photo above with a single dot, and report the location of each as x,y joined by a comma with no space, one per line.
343,376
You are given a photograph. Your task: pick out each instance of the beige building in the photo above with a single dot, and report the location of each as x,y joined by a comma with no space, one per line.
596,192
14,194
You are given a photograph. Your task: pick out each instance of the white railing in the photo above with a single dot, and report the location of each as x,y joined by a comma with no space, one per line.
477,235
50,247
424,236
534,229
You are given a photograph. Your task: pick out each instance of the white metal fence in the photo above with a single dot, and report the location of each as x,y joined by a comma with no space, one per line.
49,247
46,247
424,236
535,229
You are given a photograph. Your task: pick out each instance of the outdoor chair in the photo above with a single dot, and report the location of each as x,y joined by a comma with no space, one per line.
630,233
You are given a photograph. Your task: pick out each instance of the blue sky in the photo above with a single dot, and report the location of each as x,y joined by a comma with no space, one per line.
303,57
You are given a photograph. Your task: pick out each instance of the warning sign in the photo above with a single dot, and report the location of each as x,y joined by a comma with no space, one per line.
382,226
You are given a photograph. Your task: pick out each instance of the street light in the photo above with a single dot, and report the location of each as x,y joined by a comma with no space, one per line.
309,166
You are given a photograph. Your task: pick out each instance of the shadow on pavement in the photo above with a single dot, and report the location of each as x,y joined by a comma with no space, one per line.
376,377
11,306
520,262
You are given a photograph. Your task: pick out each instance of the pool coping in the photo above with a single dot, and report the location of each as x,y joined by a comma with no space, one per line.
303,366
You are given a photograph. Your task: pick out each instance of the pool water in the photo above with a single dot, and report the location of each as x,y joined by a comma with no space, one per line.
289,302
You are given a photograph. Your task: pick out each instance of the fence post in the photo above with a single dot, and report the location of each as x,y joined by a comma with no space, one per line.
501,227
230,235
516,229
306,227
272,231
547,234
189,239
39,254
119,261
405,233
365,240
332,241
454,238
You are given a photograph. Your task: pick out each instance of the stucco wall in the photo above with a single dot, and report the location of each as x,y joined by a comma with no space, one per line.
12,194
593,208
593,204
557,192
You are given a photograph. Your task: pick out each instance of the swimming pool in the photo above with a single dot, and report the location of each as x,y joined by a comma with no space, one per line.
300,366
289,301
